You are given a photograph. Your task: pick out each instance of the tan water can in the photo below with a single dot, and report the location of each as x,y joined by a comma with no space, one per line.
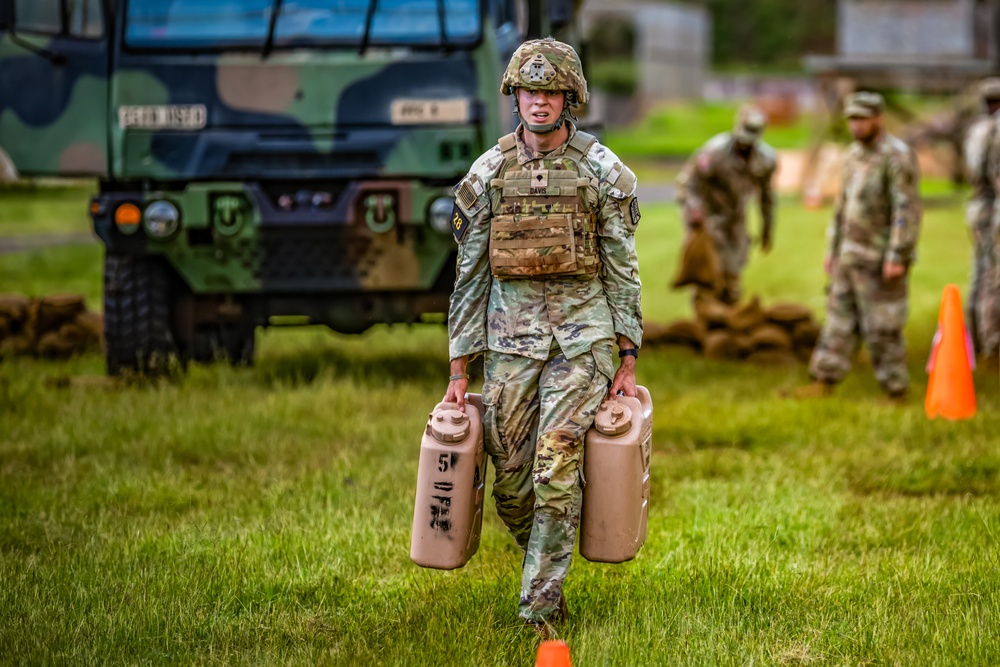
451,483
616,463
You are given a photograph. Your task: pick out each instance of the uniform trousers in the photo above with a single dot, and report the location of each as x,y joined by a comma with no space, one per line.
862,302
537,414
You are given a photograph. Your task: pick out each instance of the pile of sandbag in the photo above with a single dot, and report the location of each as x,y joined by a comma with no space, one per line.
781,333
54,327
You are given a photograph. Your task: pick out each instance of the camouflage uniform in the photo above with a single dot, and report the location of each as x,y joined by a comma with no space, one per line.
548,342
979,214
717,182
877,219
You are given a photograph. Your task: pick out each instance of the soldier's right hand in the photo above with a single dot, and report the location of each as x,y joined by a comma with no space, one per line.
829,265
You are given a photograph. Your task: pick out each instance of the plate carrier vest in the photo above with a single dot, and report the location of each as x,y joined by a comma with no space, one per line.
544,226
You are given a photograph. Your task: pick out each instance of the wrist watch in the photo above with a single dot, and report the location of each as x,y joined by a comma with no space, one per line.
632,352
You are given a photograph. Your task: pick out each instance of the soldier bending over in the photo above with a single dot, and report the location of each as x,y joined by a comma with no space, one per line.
713,190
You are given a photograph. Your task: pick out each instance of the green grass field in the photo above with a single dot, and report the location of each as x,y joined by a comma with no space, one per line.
676,130
262,516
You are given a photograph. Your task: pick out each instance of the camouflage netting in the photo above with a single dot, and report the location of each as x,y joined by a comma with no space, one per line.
53,327
779,334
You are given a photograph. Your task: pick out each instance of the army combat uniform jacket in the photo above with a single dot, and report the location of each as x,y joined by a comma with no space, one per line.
523,317
877,214
719,182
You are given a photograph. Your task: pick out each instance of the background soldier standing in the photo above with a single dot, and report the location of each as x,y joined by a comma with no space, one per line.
979,216
547,281
872,243
714,187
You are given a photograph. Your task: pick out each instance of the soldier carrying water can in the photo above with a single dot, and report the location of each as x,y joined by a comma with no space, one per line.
547,284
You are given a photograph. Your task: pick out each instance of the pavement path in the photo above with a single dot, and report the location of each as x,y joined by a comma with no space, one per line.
11,244
656,194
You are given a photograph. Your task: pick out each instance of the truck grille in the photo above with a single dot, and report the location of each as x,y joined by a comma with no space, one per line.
329,258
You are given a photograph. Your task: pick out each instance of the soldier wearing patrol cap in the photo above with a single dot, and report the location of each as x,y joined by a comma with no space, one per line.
872,243
981,301
547,283
715,186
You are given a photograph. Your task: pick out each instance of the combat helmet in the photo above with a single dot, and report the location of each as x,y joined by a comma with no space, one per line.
750,124
546,64
989,90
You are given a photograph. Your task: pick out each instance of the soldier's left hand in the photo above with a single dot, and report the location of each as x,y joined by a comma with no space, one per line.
892,270
624,381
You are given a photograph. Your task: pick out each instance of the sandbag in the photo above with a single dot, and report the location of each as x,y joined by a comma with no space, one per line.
744,344
93,324
773,358
685,332
56,309
699,263
746,317
679,332
653,333
15,345
771,337
73,332
788,313
14,307
805,335
720,344
51,345
711,312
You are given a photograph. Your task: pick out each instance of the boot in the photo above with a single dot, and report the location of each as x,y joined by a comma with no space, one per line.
989,363
815,389
895,398
563,608
542,630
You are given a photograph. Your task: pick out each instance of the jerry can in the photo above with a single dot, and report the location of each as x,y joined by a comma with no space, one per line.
616,462
451,483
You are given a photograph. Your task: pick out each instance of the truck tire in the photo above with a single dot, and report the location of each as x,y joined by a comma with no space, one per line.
137,320
224,342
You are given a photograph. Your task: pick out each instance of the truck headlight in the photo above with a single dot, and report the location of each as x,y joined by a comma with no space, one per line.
440,214
161,219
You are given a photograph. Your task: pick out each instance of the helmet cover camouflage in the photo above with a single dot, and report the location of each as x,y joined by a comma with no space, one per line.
864,104
989,89
546,64
750,124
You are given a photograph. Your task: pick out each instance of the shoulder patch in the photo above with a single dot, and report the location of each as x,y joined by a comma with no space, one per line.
633,209
459,223
466,195
704,162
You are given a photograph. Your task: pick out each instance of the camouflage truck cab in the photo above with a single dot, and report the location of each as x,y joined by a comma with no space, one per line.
257,158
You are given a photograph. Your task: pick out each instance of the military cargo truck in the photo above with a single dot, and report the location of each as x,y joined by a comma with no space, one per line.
260,161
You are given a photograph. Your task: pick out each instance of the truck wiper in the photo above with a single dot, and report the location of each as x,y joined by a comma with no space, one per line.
53,57
272,22
369,17
441,25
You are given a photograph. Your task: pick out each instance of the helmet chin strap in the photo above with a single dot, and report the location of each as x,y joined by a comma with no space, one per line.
547,127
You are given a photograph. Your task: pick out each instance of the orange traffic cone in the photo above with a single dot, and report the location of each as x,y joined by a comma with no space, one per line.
950,391
553,653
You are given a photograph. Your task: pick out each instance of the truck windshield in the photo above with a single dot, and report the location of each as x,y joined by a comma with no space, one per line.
186,24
